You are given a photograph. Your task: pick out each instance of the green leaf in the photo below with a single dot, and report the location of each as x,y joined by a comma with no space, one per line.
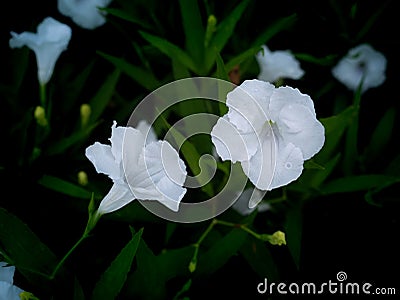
113,279
357,183
193,28
237,60
320,61
149,280
273,29
23,249
380,137
129,16
171,50
260,259
103,96
293,232
335,127
222,72
140,75
64,187
220,252
60,146
224,31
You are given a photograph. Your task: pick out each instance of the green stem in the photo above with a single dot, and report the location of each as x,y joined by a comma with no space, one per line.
43,95
62,261
93,219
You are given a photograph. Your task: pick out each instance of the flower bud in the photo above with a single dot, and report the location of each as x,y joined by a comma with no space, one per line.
86,111
40,116
82,178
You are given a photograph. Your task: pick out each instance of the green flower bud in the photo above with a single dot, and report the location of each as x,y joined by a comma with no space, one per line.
40,116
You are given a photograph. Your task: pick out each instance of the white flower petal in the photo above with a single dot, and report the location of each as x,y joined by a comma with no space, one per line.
230,143
9,291
248,105
283,96
104,161
260,168
242,205
159,175
126,141
6,272
299,126
84,13
48,43
289,165
147,131
118,196
361,63
278,65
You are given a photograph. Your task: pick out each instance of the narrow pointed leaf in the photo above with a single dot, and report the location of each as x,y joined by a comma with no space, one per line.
169,49
113,279
142,76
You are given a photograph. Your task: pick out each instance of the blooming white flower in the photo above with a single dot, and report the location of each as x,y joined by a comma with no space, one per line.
84,13
140,166
242,203
48,43
362,63
275,65
8,291
270,131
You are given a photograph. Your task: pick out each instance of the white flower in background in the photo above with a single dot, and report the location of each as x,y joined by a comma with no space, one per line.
242,203
362,63
8,291
48,43
270,131
275,65
84,13
140,166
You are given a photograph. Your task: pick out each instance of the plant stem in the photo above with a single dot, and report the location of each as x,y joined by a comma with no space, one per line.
59,265
42,88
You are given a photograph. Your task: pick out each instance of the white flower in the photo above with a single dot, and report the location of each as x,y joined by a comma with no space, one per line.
8,291
270,131
48,43
242,203
85,13
275,65
140,166
362,63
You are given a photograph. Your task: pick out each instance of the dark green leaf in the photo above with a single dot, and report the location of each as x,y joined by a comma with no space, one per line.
381,136
221,251
356,183
113,279
138,74
273,29
293,232
64,187
129,16
153,272
103,96
60,146
223,33
193,28
171,50
259,258
335,127
23,249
